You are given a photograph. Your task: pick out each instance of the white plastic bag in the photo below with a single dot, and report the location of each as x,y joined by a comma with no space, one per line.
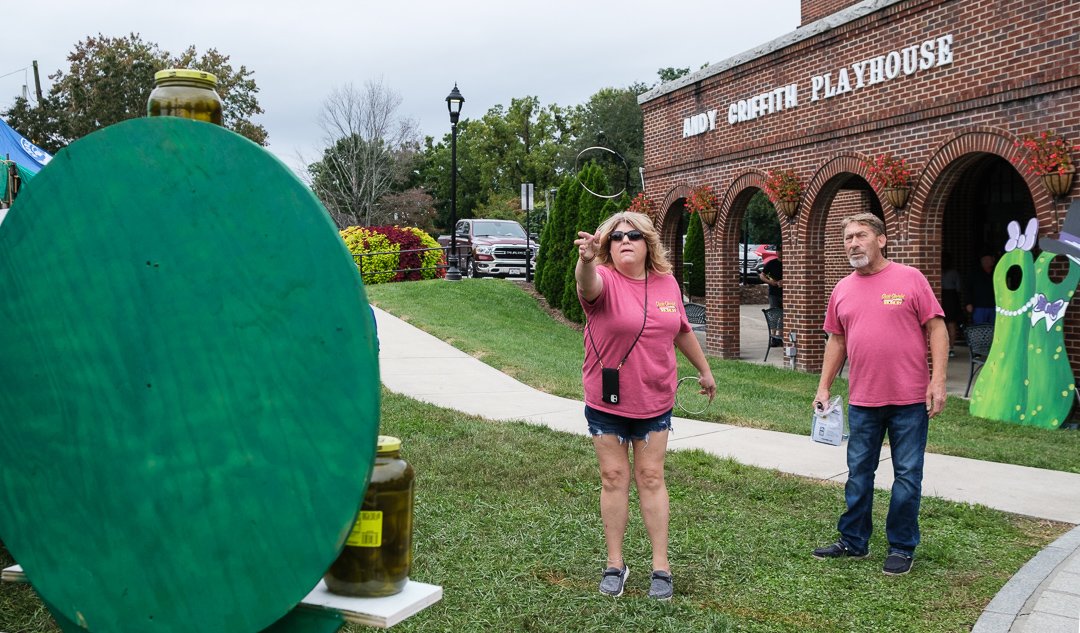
828,425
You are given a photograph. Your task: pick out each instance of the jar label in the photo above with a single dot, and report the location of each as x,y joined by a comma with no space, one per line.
367,532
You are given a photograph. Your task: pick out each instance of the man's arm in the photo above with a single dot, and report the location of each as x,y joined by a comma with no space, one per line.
939,362
835,353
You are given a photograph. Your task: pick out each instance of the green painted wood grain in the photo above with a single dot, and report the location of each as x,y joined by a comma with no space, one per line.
1050,382
189,391
999,392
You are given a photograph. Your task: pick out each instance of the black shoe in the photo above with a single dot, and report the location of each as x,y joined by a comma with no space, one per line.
897,564
838,550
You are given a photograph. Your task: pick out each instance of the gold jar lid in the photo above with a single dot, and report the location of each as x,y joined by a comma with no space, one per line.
185,73
388,444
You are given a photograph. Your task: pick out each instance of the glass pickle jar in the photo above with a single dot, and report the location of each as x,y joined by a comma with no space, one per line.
189,94
378,552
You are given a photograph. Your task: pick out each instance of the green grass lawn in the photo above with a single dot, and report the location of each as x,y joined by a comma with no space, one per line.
497,322
507,517
507,522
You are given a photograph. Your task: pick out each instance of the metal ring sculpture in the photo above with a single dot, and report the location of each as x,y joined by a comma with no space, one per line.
626,170
679,397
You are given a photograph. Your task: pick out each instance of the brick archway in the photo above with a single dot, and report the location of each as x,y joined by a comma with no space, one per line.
811,245
668,219
950,162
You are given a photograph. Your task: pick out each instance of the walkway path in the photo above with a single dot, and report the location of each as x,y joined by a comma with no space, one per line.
1045,594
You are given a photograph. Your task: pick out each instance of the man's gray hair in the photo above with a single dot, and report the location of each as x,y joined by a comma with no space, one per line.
866,219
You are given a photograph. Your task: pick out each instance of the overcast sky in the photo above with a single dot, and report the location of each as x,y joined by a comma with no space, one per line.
560,51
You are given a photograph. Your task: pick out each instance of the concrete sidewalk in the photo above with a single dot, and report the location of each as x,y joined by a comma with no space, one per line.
450,378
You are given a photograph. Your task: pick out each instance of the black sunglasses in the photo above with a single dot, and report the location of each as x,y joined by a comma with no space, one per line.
635,235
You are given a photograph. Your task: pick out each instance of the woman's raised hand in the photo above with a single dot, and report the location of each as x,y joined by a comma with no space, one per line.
588,246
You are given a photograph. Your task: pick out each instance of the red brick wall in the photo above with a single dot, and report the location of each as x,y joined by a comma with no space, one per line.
816,9
1015,70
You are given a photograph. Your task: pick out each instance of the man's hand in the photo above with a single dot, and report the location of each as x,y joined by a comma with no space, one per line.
935,399
821,399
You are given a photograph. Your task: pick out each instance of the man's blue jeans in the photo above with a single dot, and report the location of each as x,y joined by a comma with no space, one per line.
906,426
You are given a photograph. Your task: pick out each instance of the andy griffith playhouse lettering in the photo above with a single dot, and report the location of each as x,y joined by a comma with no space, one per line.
907,61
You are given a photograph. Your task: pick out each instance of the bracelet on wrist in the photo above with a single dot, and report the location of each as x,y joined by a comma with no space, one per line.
587,261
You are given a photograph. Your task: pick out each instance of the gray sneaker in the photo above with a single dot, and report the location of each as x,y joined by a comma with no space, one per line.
661,588
613,581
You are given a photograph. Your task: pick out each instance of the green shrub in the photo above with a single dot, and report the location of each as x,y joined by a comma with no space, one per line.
694,253
390,241
374,269
430,261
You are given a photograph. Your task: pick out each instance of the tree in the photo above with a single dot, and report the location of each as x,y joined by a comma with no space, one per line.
586,216
671,73
369,149
694,254
556,242
109,80
611,119
762,221
496,153
412,207
38,125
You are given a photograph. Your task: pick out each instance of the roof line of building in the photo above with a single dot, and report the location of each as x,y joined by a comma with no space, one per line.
823,25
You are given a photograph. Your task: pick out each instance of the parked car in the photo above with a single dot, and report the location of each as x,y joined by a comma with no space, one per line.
492,248
749,262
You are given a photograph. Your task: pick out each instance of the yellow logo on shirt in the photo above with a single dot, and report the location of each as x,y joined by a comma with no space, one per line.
666,306
892,298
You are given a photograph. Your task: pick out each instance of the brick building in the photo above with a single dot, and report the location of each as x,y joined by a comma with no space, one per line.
949,85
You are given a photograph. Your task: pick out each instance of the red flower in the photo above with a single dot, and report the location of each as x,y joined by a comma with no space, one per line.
701,199
888,172
783,185
641,204
1045,153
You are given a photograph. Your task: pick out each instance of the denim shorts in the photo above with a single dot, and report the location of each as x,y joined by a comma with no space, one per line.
626,429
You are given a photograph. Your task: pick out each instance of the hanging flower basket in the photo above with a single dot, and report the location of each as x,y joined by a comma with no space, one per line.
1058,183
784,189
787,207
642,204
892,176
897,196
1049,156
704,202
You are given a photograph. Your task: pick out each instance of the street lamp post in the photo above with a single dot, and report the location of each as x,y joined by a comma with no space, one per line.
453,104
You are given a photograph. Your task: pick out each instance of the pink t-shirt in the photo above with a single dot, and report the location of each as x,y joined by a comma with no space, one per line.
882,317
647,380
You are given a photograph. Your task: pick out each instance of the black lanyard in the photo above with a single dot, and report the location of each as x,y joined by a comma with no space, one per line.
645,316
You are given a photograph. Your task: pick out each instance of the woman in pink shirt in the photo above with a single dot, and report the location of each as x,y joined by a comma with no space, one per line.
635,313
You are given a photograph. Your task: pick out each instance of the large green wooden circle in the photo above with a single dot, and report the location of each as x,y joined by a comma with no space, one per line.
189,390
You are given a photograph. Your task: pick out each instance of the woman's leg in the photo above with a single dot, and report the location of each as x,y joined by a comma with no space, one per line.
652,493
614,493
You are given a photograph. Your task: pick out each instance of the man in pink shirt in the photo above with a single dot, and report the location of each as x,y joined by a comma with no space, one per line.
879,317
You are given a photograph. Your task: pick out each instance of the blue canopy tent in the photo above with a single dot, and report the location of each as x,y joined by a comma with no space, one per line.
20,160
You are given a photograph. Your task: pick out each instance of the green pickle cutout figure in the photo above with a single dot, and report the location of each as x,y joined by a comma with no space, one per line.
1027,378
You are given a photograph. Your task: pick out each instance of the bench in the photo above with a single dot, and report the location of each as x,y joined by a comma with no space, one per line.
695,314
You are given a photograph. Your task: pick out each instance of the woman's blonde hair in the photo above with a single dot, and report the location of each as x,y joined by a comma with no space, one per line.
655,254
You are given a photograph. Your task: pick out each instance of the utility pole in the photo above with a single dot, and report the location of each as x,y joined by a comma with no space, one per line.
37,86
